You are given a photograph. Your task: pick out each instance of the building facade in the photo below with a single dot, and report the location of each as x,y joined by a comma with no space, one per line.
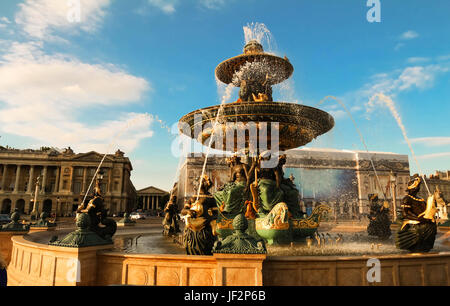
440,181
339,178
64,180
152,199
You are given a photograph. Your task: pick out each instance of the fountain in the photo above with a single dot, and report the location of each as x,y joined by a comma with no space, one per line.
263,237
256,128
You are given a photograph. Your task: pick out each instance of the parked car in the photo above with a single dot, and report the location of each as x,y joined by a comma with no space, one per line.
4,219
137,216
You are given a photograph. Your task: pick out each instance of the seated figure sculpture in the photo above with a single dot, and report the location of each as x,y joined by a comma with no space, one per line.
43,222
15,225
419,229
198,235
98,214
170,221
379,223
272,187
232,197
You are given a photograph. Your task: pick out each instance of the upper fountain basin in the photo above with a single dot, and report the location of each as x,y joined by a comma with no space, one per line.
276,68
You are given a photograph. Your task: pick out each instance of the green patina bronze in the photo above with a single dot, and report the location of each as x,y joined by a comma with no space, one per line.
15,225
82,236
256,192
240,242
43,222
126,220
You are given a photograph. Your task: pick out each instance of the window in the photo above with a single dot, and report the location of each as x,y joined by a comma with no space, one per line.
77,187
79,171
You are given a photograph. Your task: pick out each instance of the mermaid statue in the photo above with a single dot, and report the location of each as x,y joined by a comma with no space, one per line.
419,229
198,213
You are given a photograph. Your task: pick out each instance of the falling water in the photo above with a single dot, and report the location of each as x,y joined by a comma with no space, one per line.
391,105
360,136
259,32
225,98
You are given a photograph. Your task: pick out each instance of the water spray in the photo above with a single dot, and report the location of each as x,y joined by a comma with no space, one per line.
391,105
360,136
128,125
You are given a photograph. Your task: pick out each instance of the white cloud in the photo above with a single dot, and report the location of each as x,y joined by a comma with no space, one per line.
167,6
212,4
45,97
415,60
432,141
41,19
409,35
420,77
434,155
5,20
170,6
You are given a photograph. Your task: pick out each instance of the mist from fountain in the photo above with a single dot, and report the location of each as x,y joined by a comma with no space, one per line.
360,136
225,98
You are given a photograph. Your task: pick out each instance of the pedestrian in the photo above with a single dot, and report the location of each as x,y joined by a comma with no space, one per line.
3,273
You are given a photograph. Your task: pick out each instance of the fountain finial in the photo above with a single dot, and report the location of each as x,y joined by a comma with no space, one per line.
253,47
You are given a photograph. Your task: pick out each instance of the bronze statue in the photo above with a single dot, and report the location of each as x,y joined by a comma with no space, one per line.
379,223
419,228
98,214
198,235
43,222
15,225
171,218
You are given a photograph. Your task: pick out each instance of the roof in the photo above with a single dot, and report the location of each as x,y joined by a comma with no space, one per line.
151,190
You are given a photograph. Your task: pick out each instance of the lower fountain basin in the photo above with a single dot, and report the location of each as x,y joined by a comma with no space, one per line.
296,125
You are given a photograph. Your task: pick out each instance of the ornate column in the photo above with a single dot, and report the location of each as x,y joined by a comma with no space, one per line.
16,184
110,179
44,179
5,169
83,188
56,188
30,180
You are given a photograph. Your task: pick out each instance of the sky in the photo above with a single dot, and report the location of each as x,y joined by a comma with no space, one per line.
99,75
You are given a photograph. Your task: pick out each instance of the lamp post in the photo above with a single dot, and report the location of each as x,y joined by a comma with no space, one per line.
57,208
36,191
393,179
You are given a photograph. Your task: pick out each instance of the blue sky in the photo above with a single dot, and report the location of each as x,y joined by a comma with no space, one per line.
131,63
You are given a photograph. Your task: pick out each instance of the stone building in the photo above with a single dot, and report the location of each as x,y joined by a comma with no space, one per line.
341,179
65,177
440,180
152,199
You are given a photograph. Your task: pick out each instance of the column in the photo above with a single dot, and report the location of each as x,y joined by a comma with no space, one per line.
153,203
83,188
157,202
5,168
110,179
44,179
58,170
16,184
30,180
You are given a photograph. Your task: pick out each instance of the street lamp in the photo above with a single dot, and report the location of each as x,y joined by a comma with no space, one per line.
36,191
393,180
